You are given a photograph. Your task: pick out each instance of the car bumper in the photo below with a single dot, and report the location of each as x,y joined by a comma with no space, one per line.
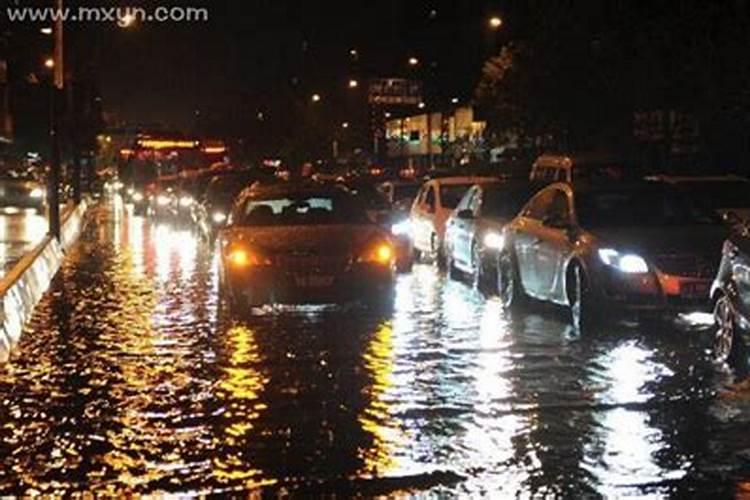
653,294
272,284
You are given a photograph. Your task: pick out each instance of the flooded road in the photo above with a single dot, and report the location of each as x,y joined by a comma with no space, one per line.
128,381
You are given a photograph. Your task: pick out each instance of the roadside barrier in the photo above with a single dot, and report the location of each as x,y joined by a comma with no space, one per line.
22,287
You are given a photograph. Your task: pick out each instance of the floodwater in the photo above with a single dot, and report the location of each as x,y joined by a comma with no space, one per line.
129,381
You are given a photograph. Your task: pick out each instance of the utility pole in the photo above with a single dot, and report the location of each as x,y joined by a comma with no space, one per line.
53,181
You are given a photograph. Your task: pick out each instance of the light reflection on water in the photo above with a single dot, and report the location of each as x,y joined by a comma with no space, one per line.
129,381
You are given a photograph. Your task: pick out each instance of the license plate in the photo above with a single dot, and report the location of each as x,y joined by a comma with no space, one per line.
313,281
694,290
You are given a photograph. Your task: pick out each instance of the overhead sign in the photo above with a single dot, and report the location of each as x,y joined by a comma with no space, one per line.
395,92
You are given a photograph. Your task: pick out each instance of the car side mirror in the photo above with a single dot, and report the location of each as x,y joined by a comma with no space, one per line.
465,214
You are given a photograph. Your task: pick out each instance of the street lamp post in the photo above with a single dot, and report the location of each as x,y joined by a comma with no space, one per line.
53,181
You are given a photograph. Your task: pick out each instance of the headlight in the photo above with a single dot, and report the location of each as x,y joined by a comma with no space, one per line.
494,240
131,191
37,193
402,228
162,200
186,201
137,197
381,253
627,263
118,185
219,217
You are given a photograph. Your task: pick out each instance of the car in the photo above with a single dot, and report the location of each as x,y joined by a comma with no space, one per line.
475,232
163,198
430,210
728,195
293,244
400,193
22,192
730,295
211,213
591,167
642,248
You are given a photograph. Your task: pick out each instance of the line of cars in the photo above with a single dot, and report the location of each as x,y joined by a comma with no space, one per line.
597,241
597,245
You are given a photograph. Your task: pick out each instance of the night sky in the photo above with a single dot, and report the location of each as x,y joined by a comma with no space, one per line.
252,55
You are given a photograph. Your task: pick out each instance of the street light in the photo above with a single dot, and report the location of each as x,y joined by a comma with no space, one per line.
353,84
495,22
345,125
46,31
353,53
413,61
454,100
315,98
49,63
421,105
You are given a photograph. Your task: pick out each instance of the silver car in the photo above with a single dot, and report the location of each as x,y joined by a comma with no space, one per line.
642,247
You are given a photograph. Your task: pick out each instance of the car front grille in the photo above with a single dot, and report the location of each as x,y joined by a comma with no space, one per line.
686,265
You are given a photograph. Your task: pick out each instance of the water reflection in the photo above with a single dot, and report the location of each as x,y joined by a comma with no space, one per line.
128,382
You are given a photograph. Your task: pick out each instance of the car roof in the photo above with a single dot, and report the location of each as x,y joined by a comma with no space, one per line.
700,178
578,160
601,187
293,189
459,180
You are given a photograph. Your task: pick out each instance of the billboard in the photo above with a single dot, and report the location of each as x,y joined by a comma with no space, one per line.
395,92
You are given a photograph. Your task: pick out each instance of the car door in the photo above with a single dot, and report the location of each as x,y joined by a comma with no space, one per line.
527,232
553,245
422,218
462,227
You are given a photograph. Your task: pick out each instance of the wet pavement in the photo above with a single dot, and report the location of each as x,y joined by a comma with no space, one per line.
129,381
20,232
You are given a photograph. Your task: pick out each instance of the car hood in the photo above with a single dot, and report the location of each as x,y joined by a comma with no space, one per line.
697,240
317,240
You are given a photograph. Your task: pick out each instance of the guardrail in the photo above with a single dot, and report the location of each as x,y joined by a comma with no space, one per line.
22,287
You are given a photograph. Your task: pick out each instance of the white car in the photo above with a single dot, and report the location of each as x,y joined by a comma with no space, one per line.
432,206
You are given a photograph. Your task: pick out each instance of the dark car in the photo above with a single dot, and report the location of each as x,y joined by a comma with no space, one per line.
731,298
644,248
22,193
303,244
211,213
728,195
475,232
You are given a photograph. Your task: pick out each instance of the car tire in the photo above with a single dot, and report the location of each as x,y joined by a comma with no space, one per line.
438,253
478,276
579,298
728,346
450,265
509,287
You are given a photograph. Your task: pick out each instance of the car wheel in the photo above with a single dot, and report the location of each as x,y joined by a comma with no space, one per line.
450,265
579,298
509,287
478,278
727,344
438,253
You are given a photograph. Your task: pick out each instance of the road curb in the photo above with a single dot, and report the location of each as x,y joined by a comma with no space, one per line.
23,286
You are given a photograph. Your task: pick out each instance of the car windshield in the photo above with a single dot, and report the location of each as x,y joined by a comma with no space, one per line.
451,194
719,194
312,209
505,203
647,206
